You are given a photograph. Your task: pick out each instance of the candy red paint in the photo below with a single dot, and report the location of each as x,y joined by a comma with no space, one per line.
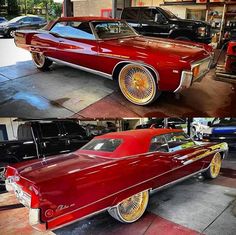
76,185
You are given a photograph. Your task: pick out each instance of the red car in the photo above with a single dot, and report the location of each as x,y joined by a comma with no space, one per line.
143,66
114,172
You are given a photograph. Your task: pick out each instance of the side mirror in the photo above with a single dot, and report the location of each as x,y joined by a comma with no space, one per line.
209,123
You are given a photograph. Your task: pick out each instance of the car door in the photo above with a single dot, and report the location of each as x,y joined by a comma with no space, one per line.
52,141
153,23
36,22
75,135
185,154
162,163
76,43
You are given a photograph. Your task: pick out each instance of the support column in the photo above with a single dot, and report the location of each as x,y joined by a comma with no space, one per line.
67,8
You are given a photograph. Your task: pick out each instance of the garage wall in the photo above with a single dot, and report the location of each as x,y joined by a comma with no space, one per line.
10,126
90,7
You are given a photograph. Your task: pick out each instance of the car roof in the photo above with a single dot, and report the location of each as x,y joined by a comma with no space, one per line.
140,133
87,18
133,142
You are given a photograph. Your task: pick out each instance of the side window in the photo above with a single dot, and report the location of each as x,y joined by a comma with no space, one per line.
36,20
158,143
151,15
130,14
25,20
73,128
49,130
178,141
73,29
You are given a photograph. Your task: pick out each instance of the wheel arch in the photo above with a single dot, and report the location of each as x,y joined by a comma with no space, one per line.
120,65
182,33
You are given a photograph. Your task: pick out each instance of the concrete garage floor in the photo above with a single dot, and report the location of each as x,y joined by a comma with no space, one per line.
195,206
63,92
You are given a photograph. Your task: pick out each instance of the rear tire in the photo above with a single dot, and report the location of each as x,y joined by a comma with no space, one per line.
11,33
130,209
40,61
214,170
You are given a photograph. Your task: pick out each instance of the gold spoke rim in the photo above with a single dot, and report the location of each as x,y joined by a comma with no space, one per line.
215,165
137,84
38,59
133,207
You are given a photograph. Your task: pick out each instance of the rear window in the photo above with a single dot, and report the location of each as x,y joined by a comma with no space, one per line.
130,14
105,145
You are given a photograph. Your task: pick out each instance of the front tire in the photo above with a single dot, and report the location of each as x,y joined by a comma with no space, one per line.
131,209
214,170
138,85
40,61
11,33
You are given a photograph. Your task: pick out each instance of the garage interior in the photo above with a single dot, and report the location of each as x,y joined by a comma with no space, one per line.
194,206
27,92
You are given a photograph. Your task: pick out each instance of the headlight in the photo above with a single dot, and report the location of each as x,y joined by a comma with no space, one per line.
201,31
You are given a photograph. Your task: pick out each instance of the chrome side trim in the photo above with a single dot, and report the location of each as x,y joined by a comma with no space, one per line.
152,191
84,217
109,76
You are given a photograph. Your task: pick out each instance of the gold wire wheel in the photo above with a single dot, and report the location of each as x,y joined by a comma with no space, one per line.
132,208
215,165
137,84
39,59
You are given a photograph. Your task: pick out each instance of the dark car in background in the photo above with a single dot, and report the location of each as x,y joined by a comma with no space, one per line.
157,22
222,130
7,29
174,123
2,19
41,138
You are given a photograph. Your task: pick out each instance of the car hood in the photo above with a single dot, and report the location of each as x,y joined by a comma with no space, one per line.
191,22
57,166
185,51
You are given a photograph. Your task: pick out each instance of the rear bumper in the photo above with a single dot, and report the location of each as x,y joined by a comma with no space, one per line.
34,220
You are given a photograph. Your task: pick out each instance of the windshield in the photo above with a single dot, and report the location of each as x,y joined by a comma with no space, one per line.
106,30
105,145
14,20
170,14
224,122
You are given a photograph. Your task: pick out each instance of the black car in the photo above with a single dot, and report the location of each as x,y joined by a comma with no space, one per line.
155,21
174,123
7,29
41,138
3,19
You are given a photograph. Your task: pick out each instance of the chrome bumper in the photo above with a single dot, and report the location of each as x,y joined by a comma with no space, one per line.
34,220
185,81
187,77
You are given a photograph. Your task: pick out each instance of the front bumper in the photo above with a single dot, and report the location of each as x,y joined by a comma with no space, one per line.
3,31
187,77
